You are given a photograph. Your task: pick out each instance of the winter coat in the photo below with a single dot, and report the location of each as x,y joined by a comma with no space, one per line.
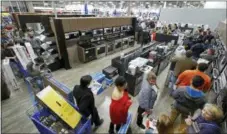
85,100
119,109
187,100
202,126
147,96
197,50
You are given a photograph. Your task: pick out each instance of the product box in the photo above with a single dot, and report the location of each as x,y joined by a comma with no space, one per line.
59,106
9,75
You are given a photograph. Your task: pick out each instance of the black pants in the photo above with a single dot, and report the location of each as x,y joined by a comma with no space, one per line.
139,116
95,117
111,129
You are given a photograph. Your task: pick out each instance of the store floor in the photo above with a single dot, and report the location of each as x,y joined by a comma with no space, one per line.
15,120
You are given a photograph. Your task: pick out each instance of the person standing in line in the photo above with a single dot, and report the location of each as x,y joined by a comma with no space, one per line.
183,63
184,79
86,101
147,98
119,105
197,49
187,99
207,121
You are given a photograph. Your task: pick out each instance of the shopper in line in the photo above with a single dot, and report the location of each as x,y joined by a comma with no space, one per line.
197,49
119,105
183,63
147,98
184,79
209,54
34,70
86,101
188,43
187,99
207,122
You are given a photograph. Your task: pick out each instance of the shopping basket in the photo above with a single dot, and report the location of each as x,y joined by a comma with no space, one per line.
36,112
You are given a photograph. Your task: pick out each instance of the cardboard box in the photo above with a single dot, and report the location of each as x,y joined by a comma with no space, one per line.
59,106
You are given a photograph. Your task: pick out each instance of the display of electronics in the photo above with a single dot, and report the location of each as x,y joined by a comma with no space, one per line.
125,43
222,79
129,28
225,71
131,41
100,49
222,62
124,28
216,86
97,32
86,33
66,36
109,48
117,45
86,52
72,35
75,34
95,39
108,30
116,29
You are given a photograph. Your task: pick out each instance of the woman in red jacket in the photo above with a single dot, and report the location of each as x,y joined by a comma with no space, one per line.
119,105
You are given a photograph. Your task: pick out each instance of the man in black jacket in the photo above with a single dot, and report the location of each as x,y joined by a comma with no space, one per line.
85,100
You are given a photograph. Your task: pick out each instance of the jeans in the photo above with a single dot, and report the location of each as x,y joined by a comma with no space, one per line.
172,80
111,128
139,116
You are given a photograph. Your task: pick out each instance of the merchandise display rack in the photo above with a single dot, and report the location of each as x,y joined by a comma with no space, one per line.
65,28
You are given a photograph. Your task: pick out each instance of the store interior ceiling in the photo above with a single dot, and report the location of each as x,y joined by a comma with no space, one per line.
74,5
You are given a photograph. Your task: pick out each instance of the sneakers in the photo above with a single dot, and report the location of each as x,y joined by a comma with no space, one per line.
141,126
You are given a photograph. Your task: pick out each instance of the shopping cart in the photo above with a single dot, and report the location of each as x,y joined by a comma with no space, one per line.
36,84
37,112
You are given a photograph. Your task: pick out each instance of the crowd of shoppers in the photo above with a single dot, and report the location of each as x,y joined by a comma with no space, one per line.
192,85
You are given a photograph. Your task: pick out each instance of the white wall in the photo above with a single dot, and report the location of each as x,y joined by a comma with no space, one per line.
194,16
215,5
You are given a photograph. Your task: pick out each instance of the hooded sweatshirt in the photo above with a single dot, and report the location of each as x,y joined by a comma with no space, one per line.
187,99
